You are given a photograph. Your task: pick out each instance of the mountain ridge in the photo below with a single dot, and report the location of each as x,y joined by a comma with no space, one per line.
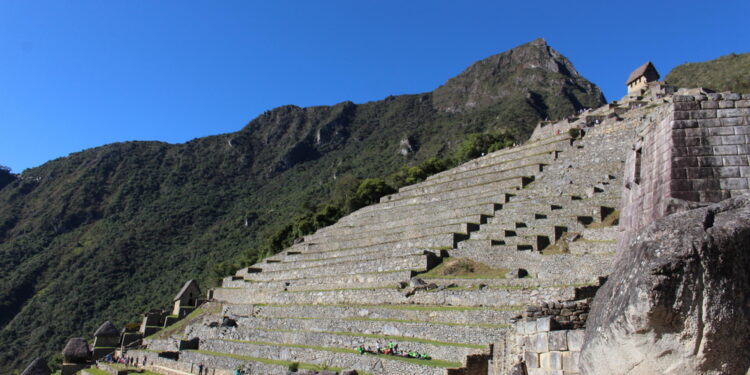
108,232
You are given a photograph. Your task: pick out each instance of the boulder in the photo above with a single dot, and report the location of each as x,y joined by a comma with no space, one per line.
678,299
36,367
349,372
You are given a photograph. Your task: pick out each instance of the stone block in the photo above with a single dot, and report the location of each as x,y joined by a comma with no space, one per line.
530,327
531,359
743,149
714,96
742,104
684,106
746,96
720,131
709,104
540,342
570,361
732,112
726,104
739,128
733,139
733,183
744,171
682,115
683,98
575,339
705,184
733,121
725,172
683,124
693,196
733,160
723,150
708,161
680,185
700,172
551,360
558,340
732,96
703,114
686,162
544,324
714,140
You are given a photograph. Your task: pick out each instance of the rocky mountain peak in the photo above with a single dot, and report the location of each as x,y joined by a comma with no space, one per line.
496,77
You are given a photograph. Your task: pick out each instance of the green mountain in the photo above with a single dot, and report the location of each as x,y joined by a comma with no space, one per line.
727,73
112,231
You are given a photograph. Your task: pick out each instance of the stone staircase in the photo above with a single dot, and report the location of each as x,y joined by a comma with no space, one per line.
543,207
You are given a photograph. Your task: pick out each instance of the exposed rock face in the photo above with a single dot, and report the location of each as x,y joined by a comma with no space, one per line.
678,301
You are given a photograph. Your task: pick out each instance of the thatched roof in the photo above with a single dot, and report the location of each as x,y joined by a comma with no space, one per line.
190,284
37,367
107,329
76,351
647,70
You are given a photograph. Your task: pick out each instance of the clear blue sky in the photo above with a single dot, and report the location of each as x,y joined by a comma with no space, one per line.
79,74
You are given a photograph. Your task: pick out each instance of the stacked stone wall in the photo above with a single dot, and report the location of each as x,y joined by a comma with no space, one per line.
696,149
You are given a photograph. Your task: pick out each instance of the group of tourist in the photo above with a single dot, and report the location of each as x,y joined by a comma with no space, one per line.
391,349
128,361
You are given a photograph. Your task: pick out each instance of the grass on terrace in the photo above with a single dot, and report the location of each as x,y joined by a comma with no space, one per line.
421,362
303,366
463,268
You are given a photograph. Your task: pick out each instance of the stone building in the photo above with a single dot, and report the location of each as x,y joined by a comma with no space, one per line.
186,299
76,356
640,78
106,340
695,149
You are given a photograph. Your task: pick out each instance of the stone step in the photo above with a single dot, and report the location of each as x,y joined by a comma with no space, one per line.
410,203
390,233
409,262
541,266
489,297
412,239
549,230
548,144
582,246
455,352
332,260
424,313
502,185
544,158
434,215
525,170
454,333
361,280
346,358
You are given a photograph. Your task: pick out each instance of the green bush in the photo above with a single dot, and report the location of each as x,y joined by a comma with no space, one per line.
293,367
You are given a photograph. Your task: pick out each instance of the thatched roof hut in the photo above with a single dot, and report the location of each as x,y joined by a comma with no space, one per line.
37,367
76,351
107,329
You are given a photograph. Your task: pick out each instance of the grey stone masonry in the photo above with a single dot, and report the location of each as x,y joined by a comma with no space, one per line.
696,149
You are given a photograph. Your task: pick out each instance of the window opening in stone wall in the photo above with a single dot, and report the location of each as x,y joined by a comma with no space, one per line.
637,177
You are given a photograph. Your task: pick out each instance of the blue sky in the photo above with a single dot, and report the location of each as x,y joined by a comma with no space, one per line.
79,74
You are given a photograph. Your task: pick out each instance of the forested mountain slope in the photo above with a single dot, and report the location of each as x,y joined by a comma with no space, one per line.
108,232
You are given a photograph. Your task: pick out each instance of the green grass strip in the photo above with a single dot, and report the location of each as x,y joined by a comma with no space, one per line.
279,362
402,307
384,337
421,362
483,325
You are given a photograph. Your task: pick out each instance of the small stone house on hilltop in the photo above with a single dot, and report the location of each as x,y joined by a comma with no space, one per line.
187,297
639,78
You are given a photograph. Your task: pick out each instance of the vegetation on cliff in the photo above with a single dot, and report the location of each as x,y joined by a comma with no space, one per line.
727,73
110,232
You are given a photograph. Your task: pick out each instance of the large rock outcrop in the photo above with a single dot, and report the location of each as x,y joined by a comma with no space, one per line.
678,300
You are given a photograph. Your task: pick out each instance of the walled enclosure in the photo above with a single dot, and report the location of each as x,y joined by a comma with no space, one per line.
697,150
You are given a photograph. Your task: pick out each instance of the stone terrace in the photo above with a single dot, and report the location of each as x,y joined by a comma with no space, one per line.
542,208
